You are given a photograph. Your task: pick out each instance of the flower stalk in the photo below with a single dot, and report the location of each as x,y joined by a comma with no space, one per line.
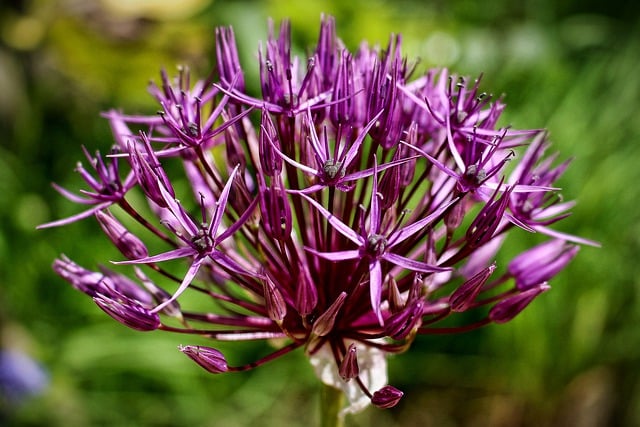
331,403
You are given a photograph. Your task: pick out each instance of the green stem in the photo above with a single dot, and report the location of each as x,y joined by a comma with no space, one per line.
330,404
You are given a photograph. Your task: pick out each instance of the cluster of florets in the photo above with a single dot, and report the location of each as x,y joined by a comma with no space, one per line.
346,210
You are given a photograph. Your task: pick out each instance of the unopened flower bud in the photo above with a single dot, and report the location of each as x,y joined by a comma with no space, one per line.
306,295
454,217
389,186
87,281
485,224
150,176
160,295
462,298
387,397
128,312
510,307
341,109
324,324
127,243
234,150
401,324
275,210
209,358
396,302
541,263
349,366
270,160
125,286
276,307
227,57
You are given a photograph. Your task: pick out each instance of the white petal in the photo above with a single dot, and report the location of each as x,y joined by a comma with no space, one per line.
373,373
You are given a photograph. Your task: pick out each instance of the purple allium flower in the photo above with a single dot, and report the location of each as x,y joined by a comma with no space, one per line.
346,210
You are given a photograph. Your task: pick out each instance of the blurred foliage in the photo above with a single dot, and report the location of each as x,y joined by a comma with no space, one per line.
571,359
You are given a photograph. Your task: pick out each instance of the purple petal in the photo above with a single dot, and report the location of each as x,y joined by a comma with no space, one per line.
375,288
374,215
409,230
413,265
368,172
336,256
165,256
221,204
435,161
565,236
188,278
76,217
353,150
228,263
294,163
343,228
325,322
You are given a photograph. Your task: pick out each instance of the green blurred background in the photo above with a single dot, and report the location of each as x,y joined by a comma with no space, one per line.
571,359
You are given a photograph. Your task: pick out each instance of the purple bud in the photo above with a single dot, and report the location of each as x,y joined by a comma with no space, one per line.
275,69
324,323
276,307
389,186
403,323
341,110
227,57
125,286
462,298
275,210
387,397
408,169
349,366
396,302
128,312
235,152
327,51
209,358
418,286
383,96
152,179
485,224
160,295
540,263
510,307
306,295
454,216
87,281
270,161
128,244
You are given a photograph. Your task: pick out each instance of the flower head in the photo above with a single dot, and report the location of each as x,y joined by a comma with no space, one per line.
346,210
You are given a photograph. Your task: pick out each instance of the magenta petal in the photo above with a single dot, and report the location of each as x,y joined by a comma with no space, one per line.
76,217
191,273
409,230
166,256
343,228
375,288
221,204
413,265
336,256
